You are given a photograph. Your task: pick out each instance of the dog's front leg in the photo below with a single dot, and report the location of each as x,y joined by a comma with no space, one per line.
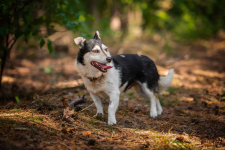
113,105
98,104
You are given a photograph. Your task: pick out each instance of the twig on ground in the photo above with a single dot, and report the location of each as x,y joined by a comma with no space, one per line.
41,99
35,131
53,95
88,106
69,88
77,101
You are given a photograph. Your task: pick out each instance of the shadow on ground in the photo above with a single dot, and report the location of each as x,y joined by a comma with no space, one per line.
193,116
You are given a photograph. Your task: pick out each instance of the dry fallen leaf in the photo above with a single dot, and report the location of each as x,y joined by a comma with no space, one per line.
64,130
85,133
180,139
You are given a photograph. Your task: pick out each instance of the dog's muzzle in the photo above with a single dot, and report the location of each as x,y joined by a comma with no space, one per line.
109,59
101,67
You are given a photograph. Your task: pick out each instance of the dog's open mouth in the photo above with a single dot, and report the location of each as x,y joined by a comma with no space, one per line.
101,67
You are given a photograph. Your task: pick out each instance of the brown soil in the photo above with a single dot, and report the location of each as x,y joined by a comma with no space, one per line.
193,107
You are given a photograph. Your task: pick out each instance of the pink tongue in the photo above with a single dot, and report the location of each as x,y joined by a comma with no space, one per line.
106,67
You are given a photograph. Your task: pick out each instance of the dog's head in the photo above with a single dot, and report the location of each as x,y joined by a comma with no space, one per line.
93,52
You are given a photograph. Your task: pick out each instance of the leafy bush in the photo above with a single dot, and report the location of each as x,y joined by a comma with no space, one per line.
24,18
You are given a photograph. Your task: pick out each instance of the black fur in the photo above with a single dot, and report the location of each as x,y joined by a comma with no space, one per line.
88,46
96,36
137,69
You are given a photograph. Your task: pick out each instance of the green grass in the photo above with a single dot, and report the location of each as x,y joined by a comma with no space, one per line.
173,90
38,119
147,101
93,122
50,133
16,110
131,94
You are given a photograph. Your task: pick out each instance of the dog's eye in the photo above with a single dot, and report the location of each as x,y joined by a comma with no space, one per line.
106,49
95,51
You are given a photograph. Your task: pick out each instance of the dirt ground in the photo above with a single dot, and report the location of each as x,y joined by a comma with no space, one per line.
193,107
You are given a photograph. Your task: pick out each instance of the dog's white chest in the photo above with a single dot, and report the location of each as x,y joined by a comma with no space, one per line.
95,86
109,83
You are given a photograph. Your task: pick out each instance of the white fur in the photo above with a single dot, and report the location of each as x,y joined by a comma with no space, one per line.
139,55
110,81
98,103
80,41
164,82
104,47
156,108
151,96
96,48
108,86
98,34
88,70
159,107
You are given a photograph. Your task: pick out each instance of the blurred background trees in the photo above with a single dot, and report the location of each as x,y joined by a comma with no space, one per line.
33,22
36,19
184,19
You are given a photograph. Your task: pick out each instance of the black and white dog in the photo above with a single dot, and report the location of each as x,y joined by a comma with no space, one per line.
105,75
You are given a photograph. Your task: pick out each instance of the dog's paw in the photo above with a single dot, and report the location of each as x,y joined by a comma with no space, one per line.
111,122
153,114
159,112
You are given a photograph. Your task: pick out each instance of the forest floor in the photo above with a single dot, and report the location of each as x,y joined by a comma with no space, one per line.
193,107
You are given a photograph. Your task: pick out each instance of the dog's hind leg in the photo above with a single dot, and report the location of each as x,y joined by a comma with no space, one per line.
98,103
113,105
159,107
153,100
140,91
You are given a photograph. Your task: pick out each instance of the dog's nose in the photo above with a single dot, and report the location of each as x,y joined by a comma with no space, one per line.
109,59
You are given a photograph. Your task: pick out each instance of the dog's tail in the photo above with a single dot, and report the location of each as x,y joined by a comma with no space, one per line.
164,82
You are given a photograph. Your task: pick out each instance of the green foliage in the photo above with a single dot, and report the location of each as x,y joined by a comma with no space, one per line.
42,43
223,98
50,49
17,99
185,19
23,18
48,70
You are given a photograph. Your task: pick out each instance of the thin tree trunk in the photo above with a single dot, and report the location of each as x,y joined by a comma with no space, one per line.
4,56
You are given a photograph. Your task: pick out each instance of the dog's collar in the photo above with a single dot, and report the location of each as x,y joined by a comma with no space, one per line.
93,79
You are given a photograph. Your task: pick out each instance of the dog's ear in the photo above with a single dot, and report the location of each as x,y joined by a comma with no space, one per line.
80,41
97,35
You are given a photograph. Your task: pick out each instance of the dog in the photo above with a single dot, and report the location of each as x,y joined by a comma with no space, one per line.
107,76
